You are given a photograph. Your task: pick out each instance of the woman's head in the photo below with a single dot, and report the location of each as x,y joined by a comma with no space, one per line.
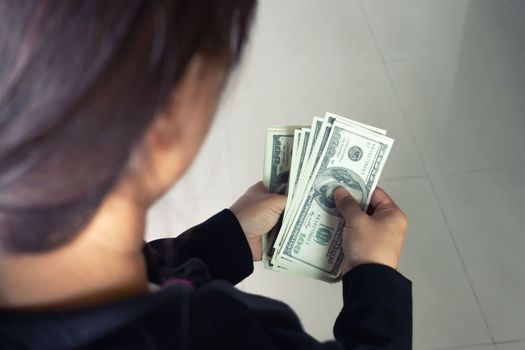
91,90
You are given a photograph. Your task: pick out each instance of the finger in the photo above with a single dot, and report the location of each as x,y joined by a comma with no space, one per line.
346,204
258,188
381,200
278,202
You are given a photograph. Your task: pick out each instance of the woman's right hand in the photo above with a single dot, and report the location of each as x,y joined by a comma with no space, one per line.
376,238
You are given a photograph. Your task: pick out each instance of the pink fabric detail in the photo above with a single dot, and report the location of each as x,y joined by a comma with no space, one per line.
174,281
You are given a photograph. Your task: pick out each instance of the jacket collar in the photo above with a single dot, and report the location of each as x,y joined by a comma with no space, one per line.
74,328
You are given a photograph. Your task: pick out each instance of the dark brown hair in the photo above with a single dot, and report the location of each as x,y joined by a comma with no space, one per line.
80,82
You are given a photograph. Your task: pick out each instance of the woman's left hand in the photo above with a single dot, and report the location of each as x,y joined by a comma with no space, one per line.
258,211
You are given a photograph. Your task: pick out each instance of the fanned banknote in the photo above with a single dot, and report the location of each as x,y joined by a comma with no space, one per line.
308,164
277,163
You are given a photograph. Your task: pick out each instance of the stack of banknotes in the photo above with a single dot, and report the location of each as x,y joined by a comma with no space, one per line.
308,164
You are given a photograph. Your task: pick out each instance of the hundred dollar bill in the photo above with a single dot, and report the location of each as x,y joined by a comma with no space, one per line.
278,158
301,137
319,147
269,238
316,128
356,123
301,159
295,146
300,156
277,164
353,157
301,186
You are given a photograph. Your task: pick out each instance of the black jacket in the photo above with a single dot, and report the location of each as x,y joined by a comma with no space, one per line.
198,308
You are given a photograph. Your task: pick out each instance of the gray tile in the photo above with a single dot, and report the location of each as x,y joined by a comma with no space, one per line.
309,33
361,92
445,311
520,5
206,187
181,209
206,208
209,174
156,224
172,214
443,302
519,345
465,112
485,211
426,28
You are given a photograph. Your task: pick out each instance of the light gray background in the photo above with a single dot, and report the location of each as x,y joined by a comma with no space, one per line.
447,79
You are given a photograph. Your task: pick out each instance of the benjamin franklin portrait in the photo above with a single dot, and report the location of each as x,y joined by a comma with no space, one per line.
335,177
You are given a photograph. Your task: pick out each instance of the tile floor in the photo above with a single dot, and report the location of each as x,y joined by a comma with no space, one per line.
447,79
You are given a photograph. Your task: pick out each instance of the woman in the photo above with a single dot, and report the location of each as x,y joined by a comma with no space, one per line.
103,105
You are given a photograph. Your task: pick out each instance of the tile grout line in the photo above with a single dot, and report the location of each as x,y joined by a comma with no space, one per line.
511,3
479,170
418,151
515,341
465,54
466,347
404,177
452,173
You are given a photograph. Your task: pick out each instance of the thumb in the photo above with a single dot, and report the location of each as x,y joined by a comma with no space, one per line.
278,202
346,204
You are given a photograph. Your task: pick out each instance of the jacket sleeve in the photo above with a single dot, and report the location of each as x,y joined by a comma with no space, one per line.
377,311
377,314
219,242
